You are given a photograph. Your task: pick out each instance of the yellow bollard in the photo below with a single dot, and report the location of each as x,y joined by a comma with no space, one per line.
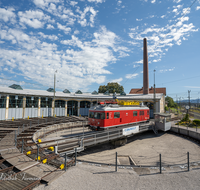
51,148
38,158
42,116
39,140
28,117
44,161
62,166
29,152
12,118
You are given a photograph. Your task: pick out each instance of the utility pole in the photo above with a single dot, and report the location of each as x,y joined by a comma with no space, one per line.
189,97
54,93
154,108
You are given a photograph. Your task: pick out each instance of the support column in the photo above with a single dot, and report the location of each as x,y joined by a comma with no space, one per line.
78,108
24,107
66,108
52,108
7,107
39,104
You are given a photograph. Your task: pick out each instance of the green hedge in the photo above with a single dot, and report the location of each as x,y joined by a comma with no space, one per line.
196,122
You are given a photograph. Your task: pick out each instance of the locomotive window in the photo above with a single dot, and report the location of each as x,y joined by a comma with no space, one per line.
102,115
134,113
147,112
97,115
116,115
107,115
141,112
91,115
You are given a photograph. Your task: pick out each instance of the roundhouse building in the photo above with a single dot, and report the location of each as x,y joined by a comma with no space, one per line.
16,102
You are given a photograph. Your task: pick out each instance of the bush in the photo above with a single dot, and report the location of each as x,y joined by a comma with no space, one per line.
166,108
196,122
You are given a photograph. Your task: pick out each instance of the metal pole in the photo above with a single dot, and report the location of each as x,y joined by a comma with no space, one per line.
22,145
116,162
188,159
154,108
15,138
23,127
75,155
83,130
65,161
54,93
37,152
160,164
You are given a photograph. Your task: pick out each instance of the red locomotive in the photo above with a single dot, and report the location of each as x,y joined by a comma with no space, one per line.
105,116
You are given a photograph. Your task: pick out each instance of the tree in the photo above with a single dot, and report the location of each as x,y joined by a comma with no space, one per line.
170,102
111,87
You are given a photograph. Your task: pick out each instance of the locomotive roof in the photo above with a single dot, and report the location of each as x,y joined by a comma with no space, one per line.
116,107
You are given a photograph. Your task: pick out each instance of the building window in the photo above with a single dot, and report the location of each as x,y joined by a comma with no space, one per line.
31,102
84,104
141,112
15,101
134,113
116,115
3,101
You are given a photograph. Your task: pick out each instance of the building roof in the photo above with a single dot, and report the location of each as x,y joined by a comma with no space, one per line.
151,90
60,94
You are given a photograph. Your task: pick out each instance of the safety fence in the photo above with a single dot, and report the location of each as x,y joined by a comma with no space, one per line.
143,165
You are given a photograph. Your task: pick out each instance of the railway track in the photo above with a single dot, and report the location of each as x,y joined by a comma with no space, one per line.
22,130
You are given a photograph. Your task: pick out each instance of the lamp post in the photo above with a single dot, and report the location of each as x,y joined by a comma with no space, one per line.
54,93
154,108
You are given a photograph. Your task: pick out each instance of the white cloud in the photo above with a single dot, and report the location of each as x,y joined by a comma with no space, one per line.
32,18
166,70
49,26
130,76
64,28
73,3
80,63
82,18
51,37
138,19
161,38
177,1
44,3
96,1
198,7
153,1
7,14
117,80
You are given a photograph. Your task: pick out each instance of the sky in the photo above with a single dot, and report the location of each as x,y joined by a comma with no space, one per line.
92,42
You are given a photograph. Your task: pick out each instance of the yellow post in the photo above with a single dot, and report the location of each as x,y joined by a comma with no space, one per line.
12,118
28,117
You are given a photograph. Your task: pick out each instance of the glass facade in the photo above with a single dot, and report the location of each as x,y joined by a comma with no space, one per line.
31,102
72,107
3,101
59,103
15,101
84,104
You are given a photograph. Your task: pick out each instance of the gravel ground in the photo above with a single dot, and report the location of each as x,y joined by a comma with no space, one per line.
141,148
92,177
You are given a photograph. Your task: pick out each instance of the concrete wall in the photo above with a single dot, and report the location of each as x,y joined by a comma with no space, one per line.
186,132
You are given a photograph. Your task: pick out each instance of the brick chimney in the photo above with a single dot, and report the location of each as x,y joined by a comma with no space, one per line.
145,68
